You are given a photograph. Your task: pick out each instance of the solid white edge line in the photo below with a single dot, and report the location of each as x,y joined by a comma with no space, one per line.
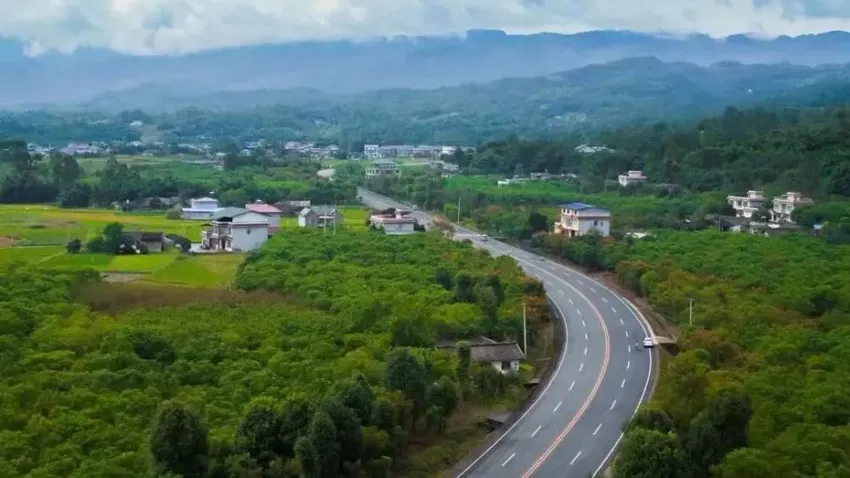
634,312
509,459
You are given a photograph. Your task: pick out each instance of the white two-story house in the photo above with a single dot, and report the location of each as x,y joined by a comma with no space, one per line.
235,229
747,206
579,219
784,205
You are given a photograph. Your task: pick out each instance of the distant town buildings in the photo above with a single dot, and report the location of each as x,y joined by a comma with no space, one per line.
578,219
424,151
631,178
589,149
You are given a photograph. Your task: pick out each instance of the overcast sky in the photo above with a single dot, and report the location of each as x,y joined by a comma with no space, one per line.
172,26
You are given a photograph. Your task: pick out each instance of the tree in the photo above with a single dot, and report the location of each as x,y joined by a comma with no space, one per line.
716,431
650,418
406,374
384,415
323,438
294,421
113,237
259,435
649,454
445,395
347,425
357,395
537,222
96,244
73,246
308,458
178,442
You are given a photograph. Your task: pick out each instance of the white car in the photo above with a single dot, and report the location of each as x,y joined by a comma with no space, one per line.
648,342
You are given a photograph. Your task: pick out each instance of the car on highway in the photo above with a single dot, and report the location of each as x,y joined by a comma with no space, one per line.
415,207
648,343
483,237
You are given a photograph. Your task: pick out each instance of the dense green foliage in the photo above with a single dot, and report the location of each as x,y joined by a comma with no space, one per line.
62,179
764,363
333,377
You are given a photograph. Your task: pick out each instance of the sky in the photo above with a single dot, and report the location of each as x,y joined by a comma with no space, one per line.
182,26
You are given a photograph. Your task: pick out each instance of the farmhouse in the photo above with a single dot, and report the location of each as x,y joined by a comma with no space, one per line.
502,356
235,230
152,241
319,216
579,219
267,210
395,223
201,209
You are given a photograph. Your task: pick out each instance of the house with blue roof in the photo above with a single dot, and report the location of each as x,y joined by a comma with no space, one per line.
579,219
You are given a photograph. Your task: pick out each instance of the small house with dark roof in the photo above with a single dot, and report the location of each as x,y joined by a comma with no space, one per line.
152,241
579,219
503,356
319,216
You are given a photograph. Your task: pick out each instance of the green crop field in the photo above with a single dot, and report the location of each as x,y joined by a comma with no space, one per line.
29,255
205,270
26,225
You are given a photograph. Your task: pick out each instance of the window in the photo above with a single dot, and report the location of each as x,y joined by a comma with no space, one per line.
506,365
248,231
595,223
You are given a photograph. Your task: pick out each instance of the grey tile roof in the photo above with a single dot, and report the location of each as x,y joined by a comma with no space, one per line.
228,212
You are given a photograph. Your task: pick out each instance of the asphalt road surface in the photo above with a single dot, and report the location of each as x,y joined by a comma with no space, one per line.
574,426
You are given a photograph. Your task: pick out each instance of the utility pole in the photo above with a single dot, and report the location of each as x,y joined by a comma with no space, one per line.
336,215
458,209
524,332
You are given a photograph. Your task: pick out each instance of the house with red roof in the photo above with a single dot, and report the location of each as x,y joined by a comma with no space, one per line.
267,210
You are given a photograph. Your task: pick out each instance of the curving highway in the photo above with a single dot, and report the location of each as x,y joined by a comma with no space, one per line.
574,425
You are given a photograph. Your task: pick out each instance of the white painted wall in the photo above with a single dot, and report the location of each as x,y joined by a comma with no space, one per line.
398,229
197,215
248,238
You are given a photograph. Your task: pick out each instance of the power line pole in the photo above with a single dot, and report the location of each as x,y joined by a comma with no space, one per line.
458,209
524,331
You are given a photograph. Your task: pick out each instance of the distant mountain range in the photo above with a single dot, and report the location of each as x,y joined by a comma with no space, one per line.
583,100
402,62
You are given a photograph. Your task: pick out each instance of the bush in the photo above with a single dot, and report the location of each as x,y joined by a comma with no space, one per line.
74,246
96,244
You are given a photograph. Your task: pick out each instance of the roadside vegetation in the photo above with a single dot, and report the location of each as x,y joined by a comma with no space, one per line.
320,362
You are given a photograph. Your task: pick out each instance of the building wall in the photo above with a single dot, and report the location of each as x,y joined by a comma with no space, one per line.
398,229
585,226
307,221
248,238
250,218
153,246
274,220
197,215
514,368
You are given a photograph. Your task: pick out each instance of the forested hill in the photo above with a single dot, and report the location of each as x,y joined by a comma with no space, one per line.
622,93
402,62
790,149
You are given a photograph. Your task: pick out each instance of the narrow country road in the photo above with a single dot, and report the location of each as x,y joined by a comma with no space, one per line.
574,426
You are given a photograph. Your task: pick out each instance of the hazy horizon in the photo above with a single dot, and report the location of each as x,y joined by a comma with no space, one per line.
184,26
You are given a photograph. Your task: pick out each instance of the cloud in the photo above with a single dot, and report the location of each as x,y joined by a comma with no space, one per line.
179,26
